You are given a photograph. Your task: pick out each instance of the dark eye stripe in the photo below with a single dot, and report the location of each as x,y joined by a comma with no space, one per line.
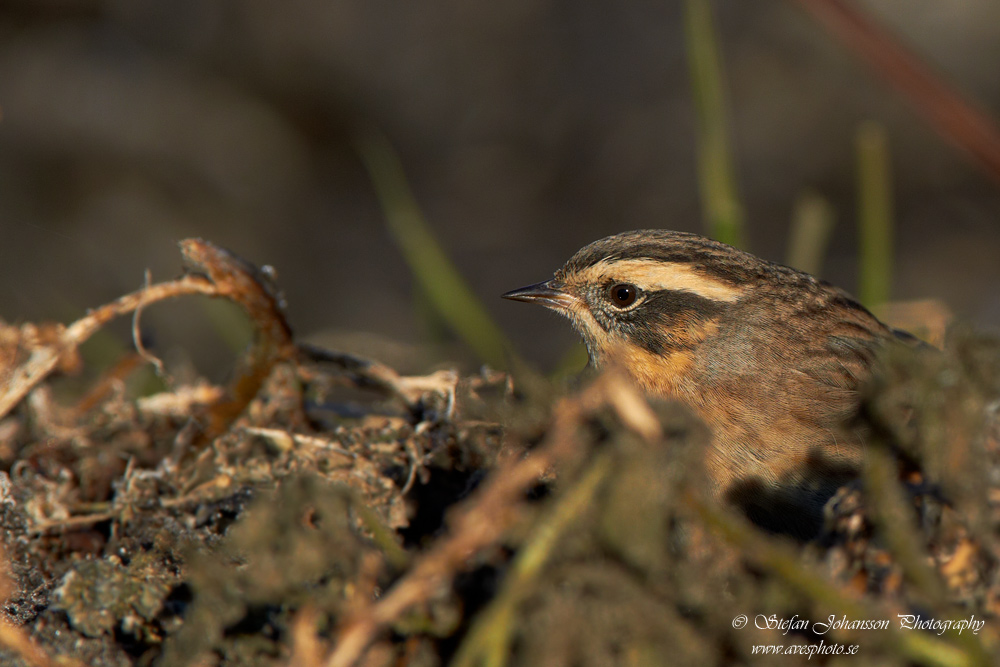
652,325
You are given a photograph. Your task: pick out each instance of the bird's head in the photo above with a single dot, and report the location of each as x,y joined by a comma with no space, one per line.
648,294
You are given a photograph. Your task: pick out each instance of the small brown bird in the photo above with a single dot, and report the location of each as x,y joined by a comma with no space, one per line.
770,358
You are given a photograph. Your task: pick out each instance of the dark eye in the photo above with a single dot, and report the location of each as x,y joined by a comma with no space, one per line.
623,295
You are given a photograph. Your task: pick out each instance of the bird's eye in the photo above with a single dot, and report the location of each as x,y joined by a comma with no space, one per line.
623,295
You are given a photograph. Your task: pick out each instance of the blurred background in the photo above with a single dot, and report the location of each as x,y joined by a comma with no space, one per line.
526,129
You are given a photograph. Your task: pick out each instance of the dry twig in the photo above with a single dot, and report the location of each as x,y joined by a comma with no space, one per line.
227,276
285,440
45,358
369,373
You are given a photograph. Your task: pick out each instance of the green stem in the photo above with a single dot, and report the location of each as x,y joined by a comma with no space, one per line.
721,205
488,641
433,270
875,214
812,222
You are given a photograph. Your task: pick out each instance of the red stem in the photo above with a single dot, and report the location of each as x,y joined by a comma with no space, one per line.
954,117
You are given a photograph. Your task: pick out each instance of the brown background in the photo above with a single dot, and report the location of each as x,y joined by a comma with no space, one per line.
528,128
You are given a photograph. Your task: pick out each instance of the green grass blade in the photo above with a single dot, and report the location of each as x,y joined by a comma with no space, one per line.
812,223
874,215
721,205
433,270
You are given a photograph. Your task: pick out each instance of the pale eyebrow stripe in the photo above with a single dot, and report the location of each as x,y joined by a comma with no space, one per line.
653,275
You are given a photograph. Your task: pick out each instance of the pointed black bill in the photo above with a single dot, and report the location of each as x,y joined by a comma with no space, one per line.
546,294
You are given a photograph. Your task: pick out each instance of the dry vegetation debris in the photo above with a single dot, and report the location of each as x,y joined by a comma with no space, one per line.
321,509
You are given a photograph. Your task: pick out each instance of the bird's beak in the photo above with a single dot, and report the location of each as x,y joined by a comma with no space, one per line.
549,294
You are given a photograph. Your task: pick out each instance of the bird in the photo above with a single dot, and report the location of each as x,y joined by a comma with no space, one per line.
772,359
